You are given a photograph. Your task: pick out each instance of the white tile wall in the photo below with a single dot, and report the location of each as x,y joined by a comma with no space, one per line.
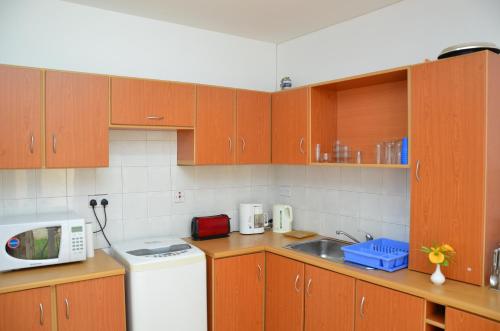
143,175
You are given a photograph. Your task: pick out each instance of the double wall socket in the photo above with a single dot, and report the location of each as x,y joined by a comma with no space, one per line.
98,198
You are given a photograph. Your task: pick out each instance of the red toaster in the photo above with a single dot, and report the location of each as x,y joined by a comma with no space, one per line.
209,227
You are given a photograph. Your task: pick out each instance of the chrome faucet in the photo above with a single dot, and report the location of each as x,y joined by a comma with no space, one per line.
367,236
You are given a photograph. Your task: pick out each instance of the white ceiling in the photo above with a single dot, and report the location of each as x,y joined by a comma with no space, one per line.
267,20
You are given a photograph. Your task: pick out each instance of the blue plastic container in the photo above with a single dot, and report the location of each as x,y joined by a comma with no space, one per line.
385,254
404,151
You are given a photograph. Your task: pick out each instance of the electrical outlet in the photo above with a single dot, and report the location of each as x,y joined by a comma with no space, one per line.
179,196
285,191
98,198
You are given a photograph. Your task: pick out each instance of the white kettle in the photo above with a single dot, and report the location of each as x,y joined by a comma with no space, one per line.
282,218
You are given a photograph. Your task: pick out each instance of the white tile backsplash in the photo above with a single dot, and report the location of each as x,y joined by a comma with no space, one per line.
143,176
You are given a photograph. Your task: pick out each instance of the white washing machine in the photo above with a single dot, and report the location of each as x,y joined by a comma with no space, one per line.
165,284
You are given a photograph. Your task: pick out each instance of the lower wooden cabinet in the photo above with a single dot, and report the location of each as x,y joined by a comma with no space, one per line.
26,310
97,305
382,309
237,293
457,320
329,300
284,293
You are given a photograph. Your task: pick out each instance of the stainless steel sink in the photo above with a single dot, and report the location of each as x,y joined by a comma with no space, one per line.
325,248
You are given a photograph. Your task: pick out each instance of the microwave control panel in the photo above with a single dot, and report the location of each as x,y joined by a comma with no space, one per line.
78,249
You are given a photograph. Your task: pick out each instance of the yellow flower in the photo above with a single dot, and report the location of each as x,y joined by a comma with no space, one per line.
447,248
436,256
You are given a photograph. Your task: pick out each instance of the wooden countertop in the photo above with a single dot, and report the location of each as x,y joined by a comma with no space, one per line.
101,265
478,300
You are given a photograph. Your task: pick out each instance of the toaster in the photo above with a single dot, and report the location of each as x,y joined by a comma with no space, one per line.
209,227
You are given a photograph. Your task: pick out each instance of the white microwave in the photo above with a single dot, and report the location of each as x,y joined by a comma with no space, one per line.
38,240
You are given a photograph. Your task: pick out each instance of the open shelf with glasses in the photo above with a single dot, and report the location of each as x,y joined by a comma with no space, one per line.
359,112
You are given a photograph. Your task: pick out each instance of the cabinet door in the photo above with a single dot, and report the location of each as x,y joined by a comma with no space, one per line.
20,119
284,294
253,127
457,320
26,310
329,300
76,120
289,127
381,309
239,293
448,156
215,138
149,102
97,304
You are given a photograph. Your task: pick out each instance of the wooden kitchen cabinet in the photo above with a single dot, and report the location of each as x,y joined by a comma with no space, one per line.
146,102
284,293
237,293
26,310
455,182
290,126
329,300
457,320
20,117
76,120
215,132
97,304
253,127
382,309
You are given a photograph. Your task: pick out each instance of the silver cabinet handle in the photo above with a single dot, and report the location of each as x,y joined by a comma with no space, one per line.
42,317
301,145
230,144
260,272
362,307
308,289
152,117
66,302
297,283
243,144
417,171
32,144
54,143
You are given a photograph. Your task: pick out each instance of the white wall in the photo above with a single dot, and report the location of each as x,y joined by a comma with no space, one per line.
405,33
61,35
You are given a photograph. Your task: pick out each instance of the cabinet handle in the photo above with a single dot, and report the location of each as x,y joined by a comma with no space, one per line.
243,143
417,171
297,283
42,317
362,307
32,144
230,144
152,117
260,272
308,289
54,143
66,302
301,145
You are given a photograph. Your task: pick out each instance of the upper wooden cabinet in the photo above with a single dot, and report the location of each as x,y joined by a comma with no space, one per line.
457,320
380,309
76,120
97,304
20,117
455,182
26,310
253,127
152,103
284,294
290,126
238,293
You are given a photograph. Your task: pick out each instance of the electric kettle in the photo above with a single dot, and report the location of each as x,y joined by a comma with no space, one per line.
282,218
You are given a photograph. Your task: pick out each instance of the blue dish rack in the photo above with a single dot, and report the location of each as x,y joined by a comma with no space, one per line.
385,254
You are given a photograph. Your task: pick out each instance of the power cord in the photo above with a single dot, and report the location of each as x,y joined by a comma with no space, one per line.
104,203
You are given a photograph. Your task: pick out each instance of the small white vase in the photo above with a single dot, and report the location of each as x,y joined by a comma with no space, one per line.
437,277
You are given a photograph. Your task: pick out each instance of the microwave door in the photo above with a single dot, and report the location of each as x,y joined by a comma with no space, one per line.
38,244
